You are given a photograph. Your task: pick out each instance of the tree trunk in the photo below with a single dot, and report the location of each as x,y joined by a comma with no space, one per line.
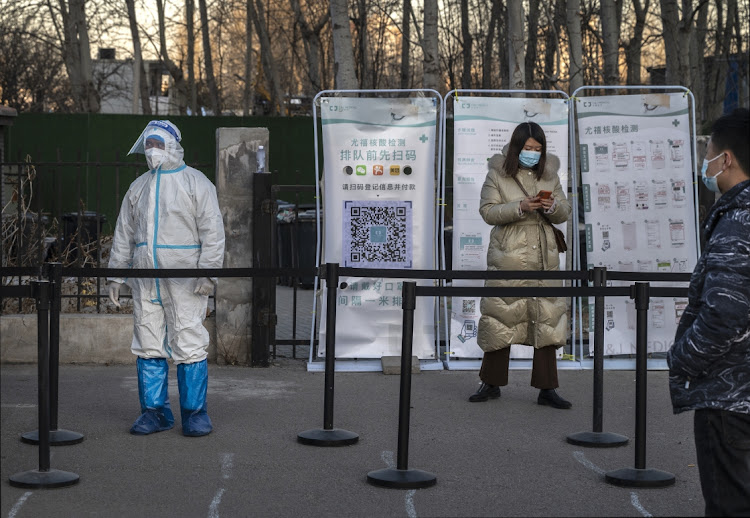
467,46
77,55
343,55
213,90
140,83
516,58
552,45
192,87
431,65
610,41
247,94
634,48
363,58
269,64
405,75
312,44
174,71
488,44
531,43
575,52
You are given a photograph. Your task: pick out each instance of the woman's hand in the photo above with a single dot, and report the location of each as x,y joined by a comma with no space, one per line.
532,204
547,203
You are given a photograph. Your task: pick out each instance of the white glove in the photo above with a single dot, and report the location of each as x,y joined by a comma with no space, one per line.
114,292
204,287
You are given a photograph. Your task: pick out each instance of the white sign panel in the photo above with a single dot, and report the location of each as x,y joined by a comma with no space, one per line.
639,206
482,127
379,212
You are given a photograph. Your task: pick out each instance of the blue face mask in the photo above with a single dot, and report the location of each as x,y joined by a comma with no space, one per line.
711,182
529,158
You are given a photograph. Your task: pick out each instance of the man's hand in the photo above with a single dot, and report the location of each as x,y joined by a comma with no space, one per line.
204,287
114,292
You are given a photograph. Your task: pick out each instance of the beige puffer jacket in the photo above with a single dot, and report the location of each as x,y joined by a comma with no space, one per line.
521,243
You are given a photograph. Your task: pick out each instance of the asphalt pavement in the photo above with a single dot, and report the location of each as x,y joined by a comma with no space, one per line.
505,457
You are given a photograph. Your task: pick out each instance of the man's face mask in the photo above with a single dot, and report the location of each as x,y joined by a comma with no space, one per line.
156,155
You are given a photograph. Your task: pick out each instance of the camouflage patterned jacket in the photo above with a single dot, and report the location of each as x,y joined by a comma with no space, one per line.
709,363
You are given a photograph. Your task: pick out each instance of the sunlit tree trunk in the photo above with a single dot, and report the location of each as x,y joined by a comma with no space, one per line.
610,40
405,75
269,64
516,58
175,72
77,55
575,51
140,83
343,64
431,65
634,47
213,90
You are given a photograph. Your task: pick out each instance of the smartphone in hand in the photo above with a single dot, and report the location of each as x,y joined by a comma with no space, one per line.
544,194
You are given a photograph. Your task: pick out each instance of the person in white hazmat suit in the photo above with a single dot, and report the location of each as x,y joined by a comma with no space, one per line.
169,218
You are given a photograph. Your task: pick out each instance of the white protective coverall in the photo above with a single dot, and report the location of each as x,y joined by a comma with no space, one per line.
169,218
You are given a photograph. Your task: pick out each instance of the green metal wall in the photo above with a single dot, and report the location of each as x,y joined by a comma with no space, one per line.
95,138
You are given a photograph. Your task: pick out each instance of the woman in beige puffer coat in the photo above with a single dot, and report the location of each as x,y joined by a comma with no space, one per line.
522,240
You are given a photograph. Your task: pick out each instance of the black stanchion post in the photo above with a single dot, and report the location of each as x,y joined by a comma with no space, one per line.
597,438
640,476
329,436
402,477
57,437
44,477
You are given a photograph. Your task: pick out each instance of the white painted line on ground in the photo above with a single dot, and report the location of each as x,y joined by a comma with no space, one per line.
17,507
580,457
18,405
637,504
411,512
387,458
213,509
226,465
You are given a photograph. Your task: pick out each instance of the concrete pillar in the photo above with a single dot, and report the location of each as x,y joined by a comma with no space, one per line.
236,163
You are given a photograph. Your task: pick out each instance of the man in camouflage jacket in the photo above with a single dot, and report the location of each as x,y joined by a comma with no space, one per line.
709,363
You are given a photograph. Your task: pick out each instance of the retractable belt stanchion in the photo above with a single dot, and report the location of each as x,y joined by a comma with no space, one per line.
44,477
57,437
597,438
402,477
329,436
640,476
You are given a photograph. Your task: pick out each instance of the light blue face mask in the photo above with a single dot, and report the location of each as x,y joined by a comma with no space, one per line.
529,158
711,182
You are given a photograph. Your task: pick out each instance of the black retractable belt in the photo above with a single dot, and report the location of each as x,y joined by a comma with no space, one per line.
597,438
57,437
401,477
44,477
329,436
640,476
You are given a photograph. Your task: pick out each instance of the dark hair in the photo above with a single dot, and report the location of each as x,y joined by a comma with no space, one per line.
521,134
731,132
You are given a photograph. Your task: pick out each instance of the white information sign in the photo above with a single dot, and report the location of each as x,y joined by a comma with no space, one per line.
379,212
639,206
482,127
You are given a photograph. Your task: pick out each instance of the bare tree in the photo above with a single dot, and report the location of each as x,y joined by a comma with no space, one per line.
405,75
312,42
213,90
489,43
190,26
575,44
140,83
174,71
633,48
76,53
343,65
516,58
467,42
531,43
269,64
611,14
431,65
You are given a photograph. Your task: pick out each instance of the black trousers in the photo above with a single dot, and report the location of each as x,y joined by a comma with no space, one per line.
722,443
494,370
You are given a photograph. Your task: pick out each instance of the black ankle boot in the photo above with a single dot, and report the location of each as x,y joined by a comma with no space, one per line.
551,398
485,392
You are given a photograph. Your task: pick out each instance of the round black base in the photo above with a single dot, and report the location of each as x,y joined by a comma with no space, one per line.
56,437
634,477
597,439
334,437
401,478
43,479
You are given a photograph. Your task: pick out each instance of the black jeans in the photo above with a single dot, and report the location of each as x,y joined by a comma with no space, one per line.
722,443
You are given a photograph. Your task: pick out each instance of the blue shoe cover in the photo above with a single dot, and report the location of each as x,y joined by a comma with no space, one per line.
192,380
152,421
156,414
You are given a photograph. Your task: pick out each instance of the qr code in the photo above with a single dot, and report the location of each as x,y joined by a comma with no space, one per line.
469,307
377,234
